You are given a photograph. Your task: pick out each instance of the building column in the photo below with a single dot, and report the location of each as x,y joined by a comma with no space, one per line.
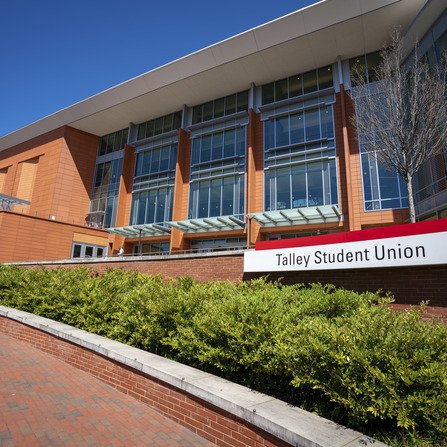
348,205
255,175
181,190
124,194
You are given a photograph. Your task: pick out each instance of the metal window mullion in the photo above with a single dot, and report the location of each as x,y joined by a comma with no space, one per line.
307,185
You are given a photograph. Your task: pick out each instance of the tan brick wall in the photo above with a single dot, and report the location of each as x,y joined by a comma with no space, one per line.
64,175
24,238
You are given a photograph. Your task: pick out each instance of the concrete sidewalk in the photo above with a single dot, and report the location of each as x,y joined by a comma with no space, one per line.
45,402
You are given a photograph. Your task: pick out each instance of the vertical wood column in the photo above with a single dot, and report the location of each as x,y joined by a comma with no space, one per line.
124,194
349,206
255,174
181,190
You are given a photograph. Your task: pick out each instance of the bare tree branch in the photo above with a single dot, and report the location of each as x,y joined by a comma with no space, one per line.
402,117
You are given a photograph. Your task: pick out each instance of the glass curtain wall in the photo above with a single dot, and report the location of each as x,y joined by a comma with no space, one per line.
107,178
217,174
153,187
300,166
299,142
382,189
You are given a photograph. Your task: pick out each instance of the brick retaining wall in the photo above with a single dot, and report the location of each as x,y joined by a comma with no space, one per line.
408,285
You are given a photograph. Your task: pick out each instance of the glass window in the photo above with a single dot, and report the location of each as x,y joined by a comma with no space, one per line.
195,155
88,251
327,122
161,205
142,131
314,184
283,188
155,161
219,107
76,251
373,61
216,152
296,86
282,131
197,114
230,104
151,205
206,149
310,82
268,93
208,111
242,101
158,126
215,196
204,189
99,252
229,143
296,128
281,90
299,183
325,78
269,134
312,125
164,159
150,128
167,123
227,196
240,141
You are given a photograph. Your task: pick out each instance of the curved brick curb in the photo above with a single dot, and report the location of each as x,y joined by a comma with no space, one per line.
291,425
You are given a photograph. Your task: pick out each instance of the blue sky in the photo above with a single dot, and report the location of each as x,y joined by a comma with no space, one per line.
55,53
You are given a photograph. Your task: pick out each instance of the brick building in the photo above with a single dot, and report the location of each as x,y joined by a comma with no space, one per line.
247,140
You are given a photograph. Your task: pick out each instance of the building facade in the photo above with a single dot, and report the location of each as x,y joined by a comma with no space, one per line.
250,139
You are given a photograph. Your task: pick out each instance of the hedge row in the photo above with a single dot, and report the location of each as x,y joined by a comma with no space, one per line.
341,354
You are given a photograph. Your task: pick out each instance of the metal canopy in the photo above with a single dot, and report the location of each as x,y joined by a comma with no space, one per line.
6,202
208,224
145,230
299,216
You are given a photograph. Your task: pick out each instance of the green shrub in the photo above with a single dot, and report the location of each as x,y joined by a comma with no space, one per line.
343,354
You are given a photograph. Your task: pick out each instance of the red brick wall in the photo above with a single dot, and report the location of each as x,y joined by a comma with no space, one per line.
211,423
409,285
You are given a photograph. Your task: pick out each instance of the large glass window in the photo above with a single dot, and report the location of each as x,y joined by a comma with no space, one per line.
153,185
105,194
300,167
220,107
365,67
217,174
113,142
298,85
157,126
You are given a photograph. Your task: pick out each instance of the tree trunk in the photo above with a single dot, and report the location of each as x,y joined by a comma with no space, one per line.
412,210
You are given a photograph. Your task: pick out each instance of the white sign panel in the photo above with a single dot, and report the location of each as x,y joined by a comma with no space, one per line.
421,249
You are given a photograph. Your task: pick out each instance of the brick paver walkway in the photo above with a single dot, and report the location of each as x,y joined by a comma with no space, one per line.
45,402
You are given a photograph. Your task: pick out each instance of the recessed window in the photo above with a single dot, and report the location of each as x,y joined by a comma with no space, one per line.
220,107
159,125
297,85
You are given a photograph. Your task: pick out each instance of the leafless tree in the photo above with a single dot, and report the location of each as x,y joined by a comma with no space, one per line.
402,117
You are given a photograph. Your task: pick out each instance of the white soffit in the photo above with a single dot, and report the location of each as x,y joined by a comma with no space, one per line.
303,40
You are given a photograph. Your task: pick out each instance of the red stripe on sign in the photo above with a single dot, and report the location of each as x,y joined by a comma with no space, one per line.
411,229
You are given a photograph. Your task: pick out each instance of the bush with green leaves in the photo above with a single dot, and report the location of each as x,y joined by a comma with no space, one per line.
343,354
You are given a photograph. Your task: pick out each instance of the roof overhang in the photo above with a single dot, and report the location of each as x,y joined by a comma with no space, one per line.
306,39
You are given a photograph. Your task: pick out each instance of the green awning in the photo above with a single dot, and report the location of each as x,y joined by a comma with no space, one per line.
208,224
133,231
299,216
